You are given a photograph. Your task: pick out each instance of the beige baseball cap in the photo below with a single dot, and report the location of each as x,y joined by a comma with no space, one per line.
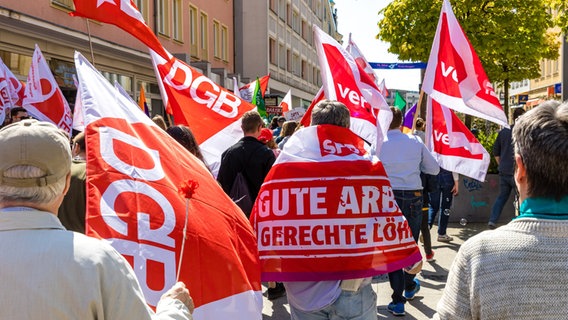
35,143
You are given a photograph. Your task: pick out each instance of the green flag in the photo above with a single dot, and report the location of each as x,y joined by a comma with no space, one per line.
258,100
399,102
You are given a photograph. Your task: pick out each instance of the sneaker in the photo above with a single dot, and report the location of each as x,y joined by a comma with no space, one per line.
397,309
276,292
409,295
444,238
430,257
492,225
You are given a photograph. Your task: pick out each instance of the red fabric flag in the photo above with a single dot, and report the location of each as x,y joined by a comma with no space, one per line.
212,112
43,99
361,61
345,81
135,171
286,103
247,91
326,211
469,158
455,77
15,89
124,15
307,118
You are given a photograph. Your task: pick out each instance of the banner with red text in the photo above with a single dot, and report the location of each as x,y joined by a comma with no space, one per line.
455,77
345,81
326,211
212,113
134,173
42,98
469,158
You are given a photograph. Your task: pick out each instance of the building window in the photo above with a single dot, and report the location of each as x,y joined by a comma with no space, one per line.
289,60
296,21
282,10
296,64
163,17
273,6
66,4
272,51
281,56
177,21
304,70
216,39
193,45
289,14
224,43
142,6
204,36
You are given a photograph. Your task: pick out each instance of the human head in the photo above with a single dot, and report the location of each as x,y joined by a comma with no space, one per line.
37,174
540,138
517,112
18,114
420,124
281,121
79,144
396,118
288,128
159,120
184,136
331,112
251,123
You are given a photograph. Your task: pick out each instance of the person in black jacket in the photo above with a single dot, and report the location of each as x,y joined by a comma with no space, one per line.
249,156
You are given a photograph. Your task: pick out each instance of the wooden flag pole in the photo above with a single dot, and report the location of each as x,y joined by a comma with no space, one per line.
90,42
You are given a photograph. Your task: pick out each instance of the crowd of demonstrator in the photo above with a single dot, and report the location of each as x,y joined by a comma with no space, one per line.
514,272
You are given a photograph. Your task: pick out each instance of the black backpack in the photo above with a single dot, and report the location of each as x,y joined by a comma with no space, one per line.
240,194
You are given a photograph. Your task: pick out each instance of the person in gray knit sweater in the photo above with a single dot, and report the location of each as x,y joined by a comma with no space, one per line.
520,270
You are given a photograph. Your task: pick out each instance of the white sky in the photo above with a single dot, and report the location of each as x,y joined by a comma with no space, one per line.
360,17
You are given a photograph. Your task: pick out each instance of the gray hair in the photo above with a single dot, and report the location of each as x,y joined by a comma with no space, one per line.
331,112
32,195
540,137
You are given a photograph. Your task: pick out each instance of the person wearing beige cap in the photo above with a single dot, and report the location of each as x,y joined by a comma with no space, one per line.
47,272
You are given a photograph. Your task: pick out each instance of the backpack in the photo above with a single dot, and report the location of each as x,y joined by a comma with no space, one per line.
240,194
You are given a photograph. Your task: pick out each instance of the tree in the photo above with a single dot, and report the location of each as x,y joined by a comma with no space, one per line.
509,36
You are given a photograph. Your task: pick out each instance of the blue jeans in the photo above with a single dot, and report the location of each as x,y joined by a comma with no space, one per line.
358,305
506,185
410,203
441,198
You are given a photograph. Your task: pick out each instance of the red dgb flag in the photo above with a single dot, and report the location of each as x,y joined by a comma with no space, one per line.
134,170
43,99
326,211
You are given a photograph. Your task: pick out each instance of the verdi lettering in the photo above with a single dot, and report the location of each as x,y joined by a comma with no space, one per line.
352,96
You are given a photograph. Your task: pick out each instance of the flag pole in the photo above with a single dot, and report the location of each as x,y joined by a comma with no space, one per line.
90,42
418,109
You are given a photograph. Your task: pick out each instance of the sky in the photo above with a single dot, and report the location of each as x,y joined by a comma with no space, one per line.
360,18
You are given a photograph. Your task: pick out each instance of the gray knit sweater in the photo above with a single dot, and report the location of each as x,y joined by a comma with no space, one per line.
518,271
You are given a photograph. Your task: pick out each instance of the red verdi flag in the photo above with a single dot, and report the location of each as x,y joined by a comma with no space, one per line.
43,99
134,172
326,211
468,157
455,77
212,112
123,14
345,81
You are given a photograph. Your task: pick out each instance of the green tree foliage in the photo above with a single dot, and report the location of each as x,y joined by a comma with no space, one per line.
509,36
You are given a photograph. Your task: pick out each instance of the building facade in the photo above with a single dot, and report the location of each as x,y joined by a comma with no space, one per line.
276,37
198,32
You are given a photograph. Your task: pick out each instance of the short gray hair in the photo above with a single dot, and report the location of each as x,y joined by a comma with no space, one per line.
540,137
331,112
32,195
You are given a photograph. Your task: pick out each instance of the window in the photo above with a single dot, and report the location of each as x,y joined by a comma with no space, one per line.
272,51
193,45
289,14
304,70
296,64
216,39
282,9
224,43
296,21
204,38
66,4
142,6
281,56
163,17
177,20
289,60
273,5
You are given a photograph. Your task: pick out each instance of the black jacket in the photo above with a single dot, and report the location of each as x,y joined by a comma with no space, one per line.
249,156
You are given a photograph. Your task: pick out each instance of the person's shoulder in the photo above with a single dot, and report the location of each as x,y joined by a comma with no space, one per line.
94,251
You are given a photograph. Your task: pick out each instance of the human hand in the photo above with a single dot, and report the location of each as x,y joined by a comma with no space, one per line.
180,292
455,189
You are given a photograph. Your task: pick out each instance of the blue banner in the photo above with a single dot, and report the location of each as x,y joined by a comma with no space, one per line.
398,65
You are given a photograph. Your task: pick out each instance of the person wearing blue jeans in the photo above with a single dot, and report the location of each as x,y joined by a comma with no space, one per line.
441,201
404,158
506,185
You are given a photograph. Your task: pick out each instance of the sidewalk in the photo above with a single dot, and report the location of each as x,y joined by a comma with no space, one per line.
433,279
